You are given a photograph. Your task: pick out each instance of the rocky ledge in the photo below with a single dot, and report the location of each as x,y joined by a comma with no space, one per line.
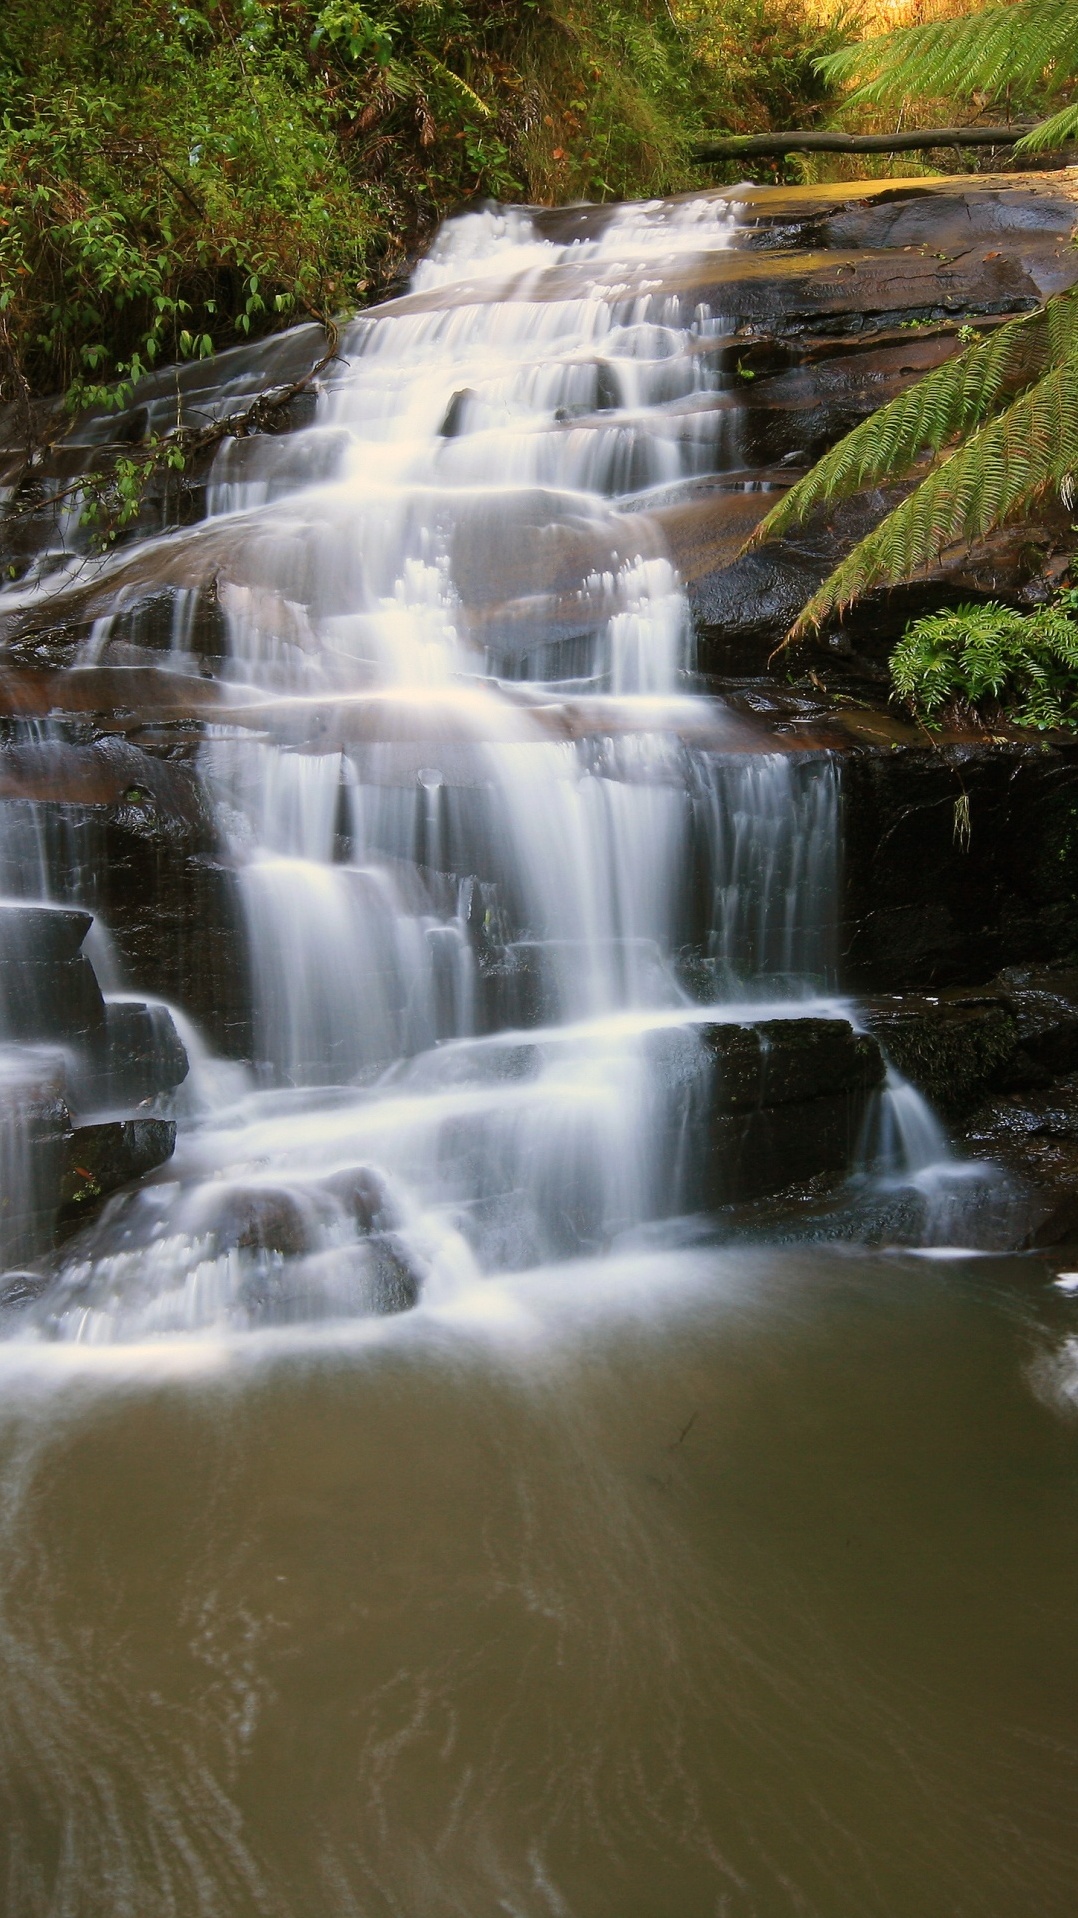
1001,1064
70,1063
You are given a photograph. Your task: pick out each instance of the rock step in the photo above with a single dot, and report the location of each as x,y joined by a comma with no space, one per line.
786,1100
102,1158
789,1102
51,999
41,933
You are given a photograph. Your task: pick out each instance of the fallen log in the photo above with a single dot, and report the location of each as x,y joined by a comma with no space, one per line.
742,146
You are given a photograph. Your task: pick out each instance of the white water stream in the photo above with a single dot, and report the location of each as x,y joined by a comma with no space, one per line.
465,920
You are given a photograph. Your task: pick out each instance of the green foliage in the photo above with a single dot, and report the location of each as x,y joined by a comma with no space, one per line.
991,660
997,474
1024,55
177,174
999,423
1009,398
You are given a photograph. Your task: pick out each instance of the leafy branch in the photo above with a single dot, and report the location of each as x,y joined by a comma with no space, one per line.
112,496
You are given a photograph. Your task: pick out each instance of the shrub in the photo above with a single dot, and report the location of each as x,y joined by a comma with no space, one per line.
992,661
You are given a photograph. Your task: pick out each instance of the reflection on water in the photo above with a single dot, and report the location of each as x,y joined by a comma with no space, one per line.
693,1583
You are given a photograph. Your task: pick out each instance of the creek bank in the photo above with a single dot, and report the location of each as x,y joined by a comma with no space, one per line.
1001,1063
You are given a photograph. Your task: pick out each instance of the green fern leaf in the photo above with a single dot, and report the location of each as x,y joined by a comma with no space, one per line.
1021,47
953,399
1051,133
996,475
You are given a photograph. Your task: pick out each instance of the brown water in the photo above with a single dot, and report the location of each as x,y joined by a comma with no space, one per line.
697,1583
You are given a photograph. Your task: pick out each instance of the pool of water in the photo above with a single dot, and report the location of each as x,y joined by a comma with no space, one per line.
689,1581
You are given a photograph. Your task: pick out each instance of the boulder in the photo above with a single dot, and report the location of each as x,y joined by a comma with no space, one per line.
52,999
102,1158
362,1193
138,1055
950,1046
262,1219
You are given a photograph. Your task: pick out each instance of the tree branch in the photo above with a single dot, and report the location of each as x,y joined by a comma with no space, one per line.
740,146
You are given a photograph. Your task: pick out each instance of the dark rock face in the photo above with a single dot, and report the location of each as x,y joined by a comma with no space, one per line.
56,999
778,1062
1043,1001
138,1055
63,1048
102,1158
928,903
1033,1134
1002,1065
129,833
755,1153
950,1047
786,1100
41,934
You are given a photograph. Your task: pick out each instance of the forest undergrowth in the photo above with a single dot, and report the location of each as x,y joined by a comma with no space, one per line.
177,176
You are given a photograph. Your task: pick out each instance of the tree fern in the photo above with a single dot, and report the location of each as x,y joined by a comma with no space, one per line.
1023,49
1010,401
998,473
953,399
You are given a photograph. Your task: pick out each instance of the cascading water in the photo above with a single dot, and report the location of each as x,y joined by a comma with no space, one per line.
487,841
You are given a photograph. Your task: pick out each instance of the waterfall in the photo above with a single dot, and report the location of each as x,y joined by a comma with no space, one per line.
488,839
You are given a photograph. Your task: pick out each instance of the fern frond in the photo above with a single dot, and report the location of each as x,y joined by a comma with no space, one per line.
1054,132
1018,46
997,474
954,398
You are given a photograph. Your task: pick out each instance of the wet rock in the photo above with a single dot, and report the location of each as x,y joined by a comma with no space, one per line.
57,999
132,834
951,1046
1043,1001
947,215
789,1102
102,1158
513,992
20,1289
805,292
394,1279
759,1151
957,860
262,1219
35,1131
744,603
1033,1134
41,933
139,1055
365,1197
454,421
782,1100
778,1062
